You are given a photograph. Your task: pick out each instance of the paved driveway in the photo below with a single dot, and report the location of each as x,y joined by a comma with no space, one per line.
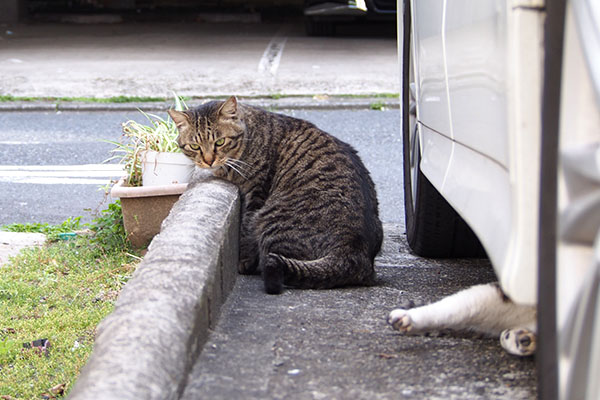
193,59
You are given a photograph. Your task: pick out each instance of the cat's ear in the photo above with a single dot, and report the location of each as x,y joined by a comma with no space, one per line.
229,109
181,119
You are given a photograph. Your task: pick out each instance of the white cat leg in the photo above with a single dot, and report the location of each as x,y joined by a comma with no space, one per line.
481,308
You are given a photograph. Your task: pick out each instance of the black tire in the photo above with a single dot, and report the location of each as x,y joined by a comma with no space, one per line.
433,228
316,27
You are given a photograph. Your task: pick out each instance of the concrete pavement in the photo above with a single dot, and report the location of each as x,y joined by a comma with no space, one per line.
11,243
191,59
336,344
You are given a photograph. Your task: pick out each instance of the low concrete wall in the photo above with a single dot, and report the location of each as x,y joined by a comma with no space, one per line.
146,347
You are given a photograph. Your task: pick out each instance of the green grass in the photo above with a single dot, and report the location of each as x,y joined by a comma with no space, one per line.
114,99
378,105
59,292
52,231
365,96
139,99
277,96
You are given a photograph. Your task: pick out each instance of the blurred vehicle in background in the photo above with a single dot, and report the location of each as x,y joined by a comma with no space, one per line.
321,17
481,148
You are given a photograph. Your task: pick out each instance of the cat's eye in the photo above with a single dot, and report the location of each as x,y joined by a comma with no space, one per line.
220,142
194,146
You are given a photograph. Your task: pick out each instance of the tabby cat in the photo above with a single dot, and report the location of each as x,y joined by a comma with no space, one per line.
309,208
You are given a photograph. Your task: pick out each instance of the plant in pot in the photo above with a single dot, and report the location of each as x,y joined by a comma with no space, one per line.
156,174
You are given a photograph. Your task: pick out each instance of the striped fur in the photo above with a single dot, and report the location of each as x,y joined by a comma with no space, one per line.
309,207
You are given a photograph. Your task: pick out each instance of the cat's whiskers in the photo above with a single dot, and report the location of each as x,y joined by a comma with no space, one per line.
240,162
241,165
236,168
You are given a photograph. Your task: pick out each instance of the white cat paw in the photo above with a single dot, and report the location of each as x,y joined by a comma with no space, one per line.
400,320
517,341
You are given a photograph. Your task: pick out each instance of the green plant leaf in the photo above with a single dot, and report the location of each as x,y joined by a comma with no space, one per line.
158,134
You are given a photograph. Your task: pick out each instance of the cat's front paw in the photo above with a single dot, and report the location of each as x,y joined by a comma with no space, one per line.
520,342
400,320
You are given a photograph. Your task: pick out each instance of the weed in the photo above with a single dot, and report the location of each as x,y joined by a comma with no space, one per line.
108,228
115,99
378,105
59,292
138,99
158,135
53,232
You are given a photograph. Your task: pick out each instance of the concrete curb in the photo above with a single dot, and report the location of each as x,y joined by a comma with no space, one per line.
284,103
147,346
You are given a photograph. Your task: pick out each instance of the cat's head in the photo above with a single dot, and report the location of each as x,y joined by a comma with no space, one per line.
211,134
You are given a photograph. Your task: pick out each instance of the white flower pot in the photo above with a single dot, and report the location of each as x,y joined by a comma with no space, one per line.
165,168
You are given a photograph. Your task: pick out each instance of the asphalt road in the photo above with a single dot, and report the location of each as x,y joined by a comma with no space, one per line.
52,139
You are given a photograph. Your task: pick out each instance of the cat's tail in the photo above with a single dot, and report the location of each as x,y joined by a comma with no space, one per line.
322,273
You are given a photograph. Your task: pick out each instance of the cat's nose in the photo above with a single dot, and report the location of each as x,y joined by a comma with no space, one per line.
209,158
